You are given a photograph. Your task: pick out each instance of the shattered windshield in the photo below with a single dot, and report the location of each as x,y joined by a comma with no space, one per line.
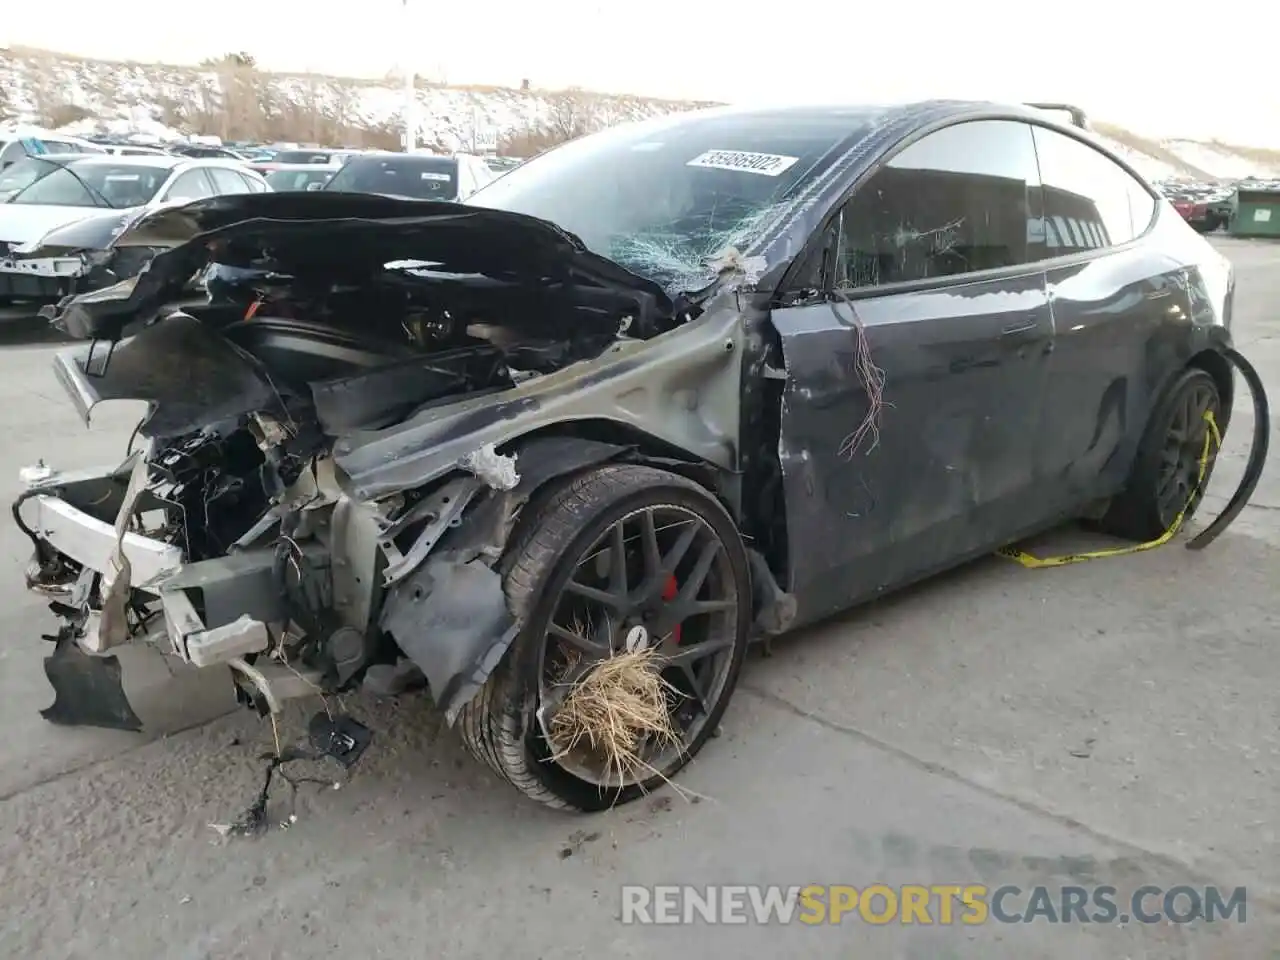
666,197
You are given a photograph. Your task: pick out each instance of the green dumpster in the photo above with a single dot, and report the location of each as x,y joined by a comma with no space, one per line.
1257,212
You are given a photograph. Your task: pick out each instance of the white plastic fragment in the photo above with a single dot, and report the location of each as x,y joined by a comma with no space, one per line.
495,469
37,473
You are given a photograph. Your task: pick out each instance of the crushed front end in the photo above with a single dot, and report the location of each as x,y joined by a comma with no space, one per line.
325,482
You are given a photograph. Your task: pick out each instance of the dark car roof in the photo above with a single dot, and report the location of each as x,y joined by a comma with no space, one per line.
405,157
857,112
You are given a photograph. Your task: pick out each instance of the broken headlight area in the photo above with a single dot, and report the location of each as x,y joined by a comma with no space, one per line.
322,487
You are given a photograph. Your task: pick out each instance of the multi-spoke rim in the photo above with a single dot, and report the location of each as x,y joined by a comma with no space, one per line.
1183,448
658,577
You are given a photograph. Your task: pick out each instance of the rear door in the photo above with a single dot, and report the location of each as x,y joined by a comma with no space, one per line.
937,257
1111,300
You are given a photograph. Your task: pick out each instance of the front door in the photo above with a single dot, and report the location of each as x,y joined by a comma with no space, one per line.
936,283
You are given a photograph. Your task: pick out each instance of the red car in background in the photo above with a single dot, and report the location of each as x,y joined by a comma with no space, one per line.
1206,208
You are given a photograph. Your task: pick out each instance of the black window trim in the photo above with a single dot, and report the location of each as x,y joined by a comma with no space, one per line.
817,245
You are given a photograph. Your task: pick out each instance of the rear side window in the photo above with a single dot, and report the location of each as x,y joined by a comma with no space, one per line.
961,200
254,185
228,181
1090,202
192,185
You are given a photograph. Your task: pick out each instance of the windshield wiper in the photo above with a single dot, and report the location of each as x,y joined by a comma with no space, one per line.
7,195
89,188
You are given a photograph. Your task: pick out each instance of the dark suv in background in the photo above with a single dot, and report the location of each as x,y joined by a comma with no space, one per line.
412,175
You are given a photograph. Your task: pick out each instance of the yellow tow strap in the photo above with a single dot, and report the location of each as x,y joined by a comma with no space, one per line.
1212,441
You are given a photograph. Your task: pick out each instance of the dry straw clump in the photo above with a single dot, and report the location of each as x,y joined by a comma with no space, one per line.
615,713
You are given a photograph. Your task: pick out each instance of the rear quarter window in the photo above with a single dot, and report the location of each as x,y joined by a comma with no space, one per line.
1085,188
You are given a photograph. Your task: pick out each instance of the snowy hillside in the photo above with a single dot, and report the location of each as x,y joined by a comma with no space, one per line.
62,91
235,101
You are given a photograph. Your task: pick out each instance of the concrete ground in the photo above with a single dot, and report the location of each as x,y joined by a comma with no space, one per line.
1109,723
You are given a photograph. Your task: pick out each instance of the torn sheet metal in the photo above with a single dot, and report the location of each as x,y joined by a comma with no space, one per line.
193,375
88,690
327,235
452,620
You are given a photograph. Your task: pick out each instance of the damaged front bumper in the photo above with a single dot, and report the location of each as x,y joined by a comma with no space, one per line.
111,587
46,280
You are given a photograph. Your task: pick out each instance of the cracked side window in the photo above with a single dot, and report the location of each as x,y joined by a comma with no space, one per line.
961,200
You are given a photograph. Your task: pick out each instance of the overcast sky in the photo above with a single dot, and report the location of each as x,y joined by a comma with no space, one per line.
1148,66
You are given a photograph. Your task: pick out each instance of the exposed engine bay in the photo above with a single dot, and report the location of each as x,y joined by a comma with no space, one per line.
321,491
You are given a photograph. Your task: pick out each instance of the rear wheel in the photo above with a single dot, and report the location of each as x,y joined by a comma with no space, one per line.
1165,478
621,559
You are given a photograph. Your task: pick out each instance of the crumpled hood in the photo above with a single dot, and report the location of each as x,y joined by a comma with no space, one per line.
24,223
340,237
96,231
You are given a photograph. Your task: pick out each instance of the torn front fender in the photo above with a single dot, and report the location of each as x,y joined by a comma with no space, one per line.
682,389
450,615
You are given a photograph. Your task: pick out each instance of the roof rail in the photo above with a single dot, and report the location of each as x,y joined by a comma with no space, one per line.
1077,115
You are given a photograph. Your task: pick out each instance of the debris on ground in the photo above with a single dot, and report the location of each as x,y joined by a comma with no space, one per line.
336,737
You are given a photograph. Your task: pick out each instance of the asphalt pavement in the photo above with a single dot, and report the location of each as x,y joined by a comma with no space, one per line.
1111,723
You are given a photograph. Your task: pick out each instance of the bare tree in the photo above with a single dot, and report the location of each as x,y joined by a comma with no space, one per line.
570,116
44,89
65,114
242,114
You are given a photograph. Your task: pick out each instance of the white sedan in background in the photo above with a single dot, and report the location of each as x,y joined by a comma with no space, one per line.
98,195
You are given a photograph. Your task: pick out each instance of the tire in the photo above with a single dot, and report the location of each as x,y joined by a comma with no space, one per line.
499,726
1138,512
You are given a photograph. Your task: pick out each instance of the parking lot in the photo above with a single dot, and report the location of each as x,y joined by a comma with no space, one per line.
1107,723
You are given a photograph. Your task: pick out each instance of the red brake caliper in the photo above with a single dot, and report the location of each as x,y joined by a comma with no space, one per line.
670,592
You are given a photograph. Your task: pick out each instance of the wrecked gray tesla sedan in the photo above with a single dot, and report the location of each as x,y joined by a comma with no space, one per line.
654,394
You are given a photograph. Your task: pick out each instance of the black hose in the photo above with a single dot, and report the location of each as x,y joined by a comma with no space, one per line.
1257,454
44,553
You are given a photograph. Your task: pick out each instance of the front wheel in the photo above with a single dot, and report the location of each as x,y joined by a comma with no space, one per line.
634,591
1166,480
